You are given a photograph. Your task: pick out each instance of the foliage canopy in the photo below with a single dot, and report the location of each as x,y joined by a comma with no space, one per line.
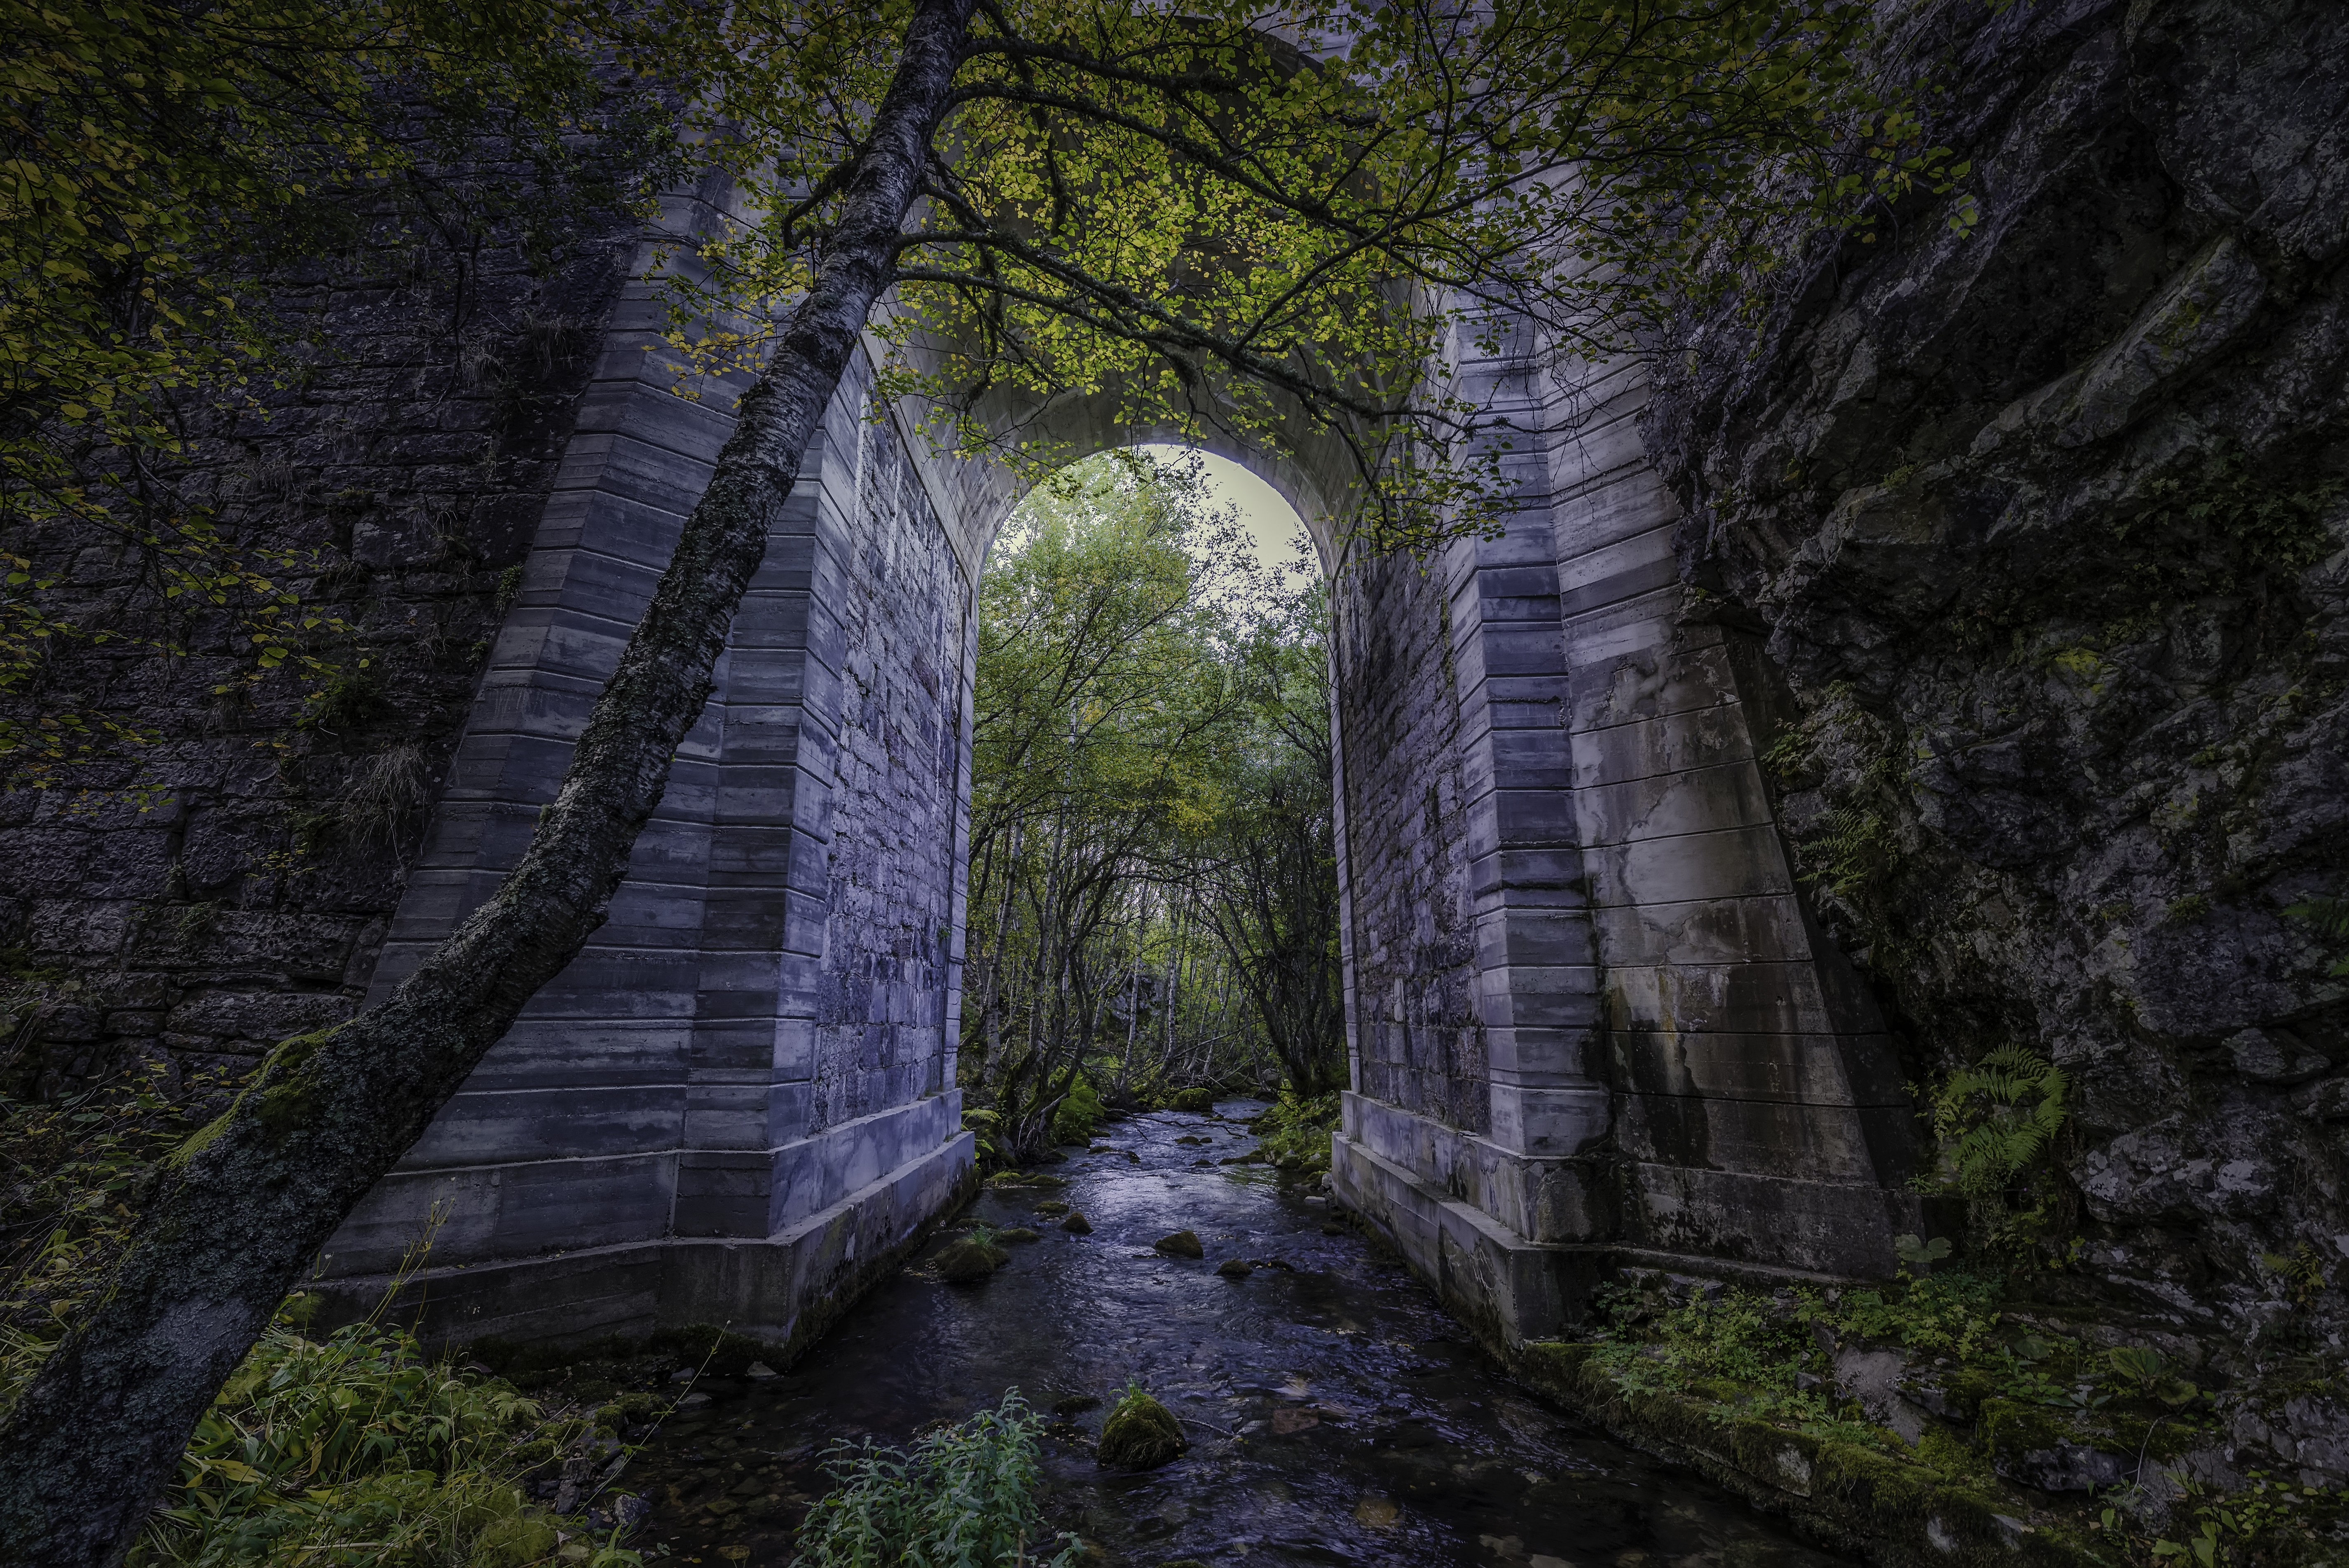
1294,226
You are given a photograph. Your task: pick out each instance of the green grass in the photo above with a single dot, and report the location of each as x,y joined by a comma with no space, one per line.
965,1497
358,1450
353,1447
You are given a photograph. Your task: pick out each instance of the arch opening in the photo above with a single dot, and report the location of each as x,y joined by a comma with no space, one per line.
1152,891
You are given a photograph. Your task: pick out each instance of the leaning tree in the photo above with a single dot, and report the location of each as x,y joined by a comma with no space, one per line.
1289,223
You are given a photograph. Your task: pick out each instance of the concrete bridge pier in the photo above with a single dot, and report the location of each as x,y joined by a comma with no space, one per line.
1676,1070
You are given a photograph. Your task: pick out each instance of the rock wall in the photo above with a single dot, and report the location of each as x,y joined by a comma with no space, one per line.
2045,527
1418,1043
410,462
882,1034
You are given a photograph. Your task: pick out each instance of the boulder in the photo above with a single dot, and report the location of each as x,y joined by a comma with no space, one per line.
1181,1245
1016,1235
1076,1224
964,1260
1140,1434
1234,1268
1193,1099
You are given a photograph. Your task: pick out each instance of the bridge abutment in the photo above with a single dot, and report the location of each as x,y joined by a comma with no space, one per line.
1676,1069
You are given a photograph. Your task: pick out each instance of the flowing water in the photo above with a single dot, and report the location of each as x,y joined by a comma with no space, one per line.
1335,1414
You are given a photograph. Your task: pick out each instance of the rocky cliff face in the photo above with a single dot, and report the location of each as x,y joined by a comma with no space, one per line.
2046,527
403,463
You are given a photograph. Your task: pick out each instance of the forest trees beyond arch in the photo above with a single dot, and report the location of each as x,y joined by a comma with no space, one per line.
1154,890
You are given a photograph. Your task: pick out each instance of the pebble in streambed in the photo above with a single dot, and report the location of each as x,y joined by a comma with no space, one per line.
1329,1411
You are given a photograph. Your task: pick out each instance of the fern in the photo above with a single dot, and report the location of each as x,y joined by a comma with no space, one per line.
2331,918
1994,1117
1855,847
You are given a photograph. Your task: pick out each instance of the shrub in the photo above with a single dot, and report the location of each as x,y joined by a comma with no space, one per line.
1295,1133
1079,1115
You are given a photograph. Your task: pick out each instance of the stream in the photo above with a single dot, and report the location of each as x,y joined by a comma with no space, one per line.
1335,1414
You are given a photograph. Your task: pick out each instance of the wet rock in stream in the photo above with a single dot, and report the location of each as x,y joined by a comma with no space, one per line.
1140,1434
1076,1224
1180,1244
964,1260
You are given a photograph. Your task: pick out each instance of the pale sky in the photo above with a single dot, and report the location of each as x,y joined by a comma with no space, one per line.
1271,520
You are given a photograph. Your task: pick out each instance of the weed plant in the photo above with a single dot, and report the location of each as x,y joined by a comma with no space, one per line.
965,1497
1754,1356
1993,1117
357,1450
1747,1353
1762,1356
74,1172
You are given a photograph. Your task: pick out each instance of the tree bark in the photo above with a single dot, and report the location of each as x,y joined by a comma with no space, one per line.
248,1203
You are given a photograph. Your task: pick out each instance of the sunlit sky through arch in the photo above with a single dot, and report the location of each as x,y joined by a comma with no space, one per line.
1268,518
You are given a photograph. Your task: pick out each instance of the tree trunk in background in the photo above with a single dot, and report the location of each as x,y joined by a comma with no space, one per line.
251,1199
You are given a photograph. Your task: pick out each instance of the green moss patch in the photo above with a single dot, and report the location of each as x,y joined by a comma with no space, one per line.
1140,1434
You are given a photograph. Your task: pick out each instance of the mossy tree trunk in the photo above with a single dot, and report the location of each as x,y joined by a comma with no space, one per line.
248,1203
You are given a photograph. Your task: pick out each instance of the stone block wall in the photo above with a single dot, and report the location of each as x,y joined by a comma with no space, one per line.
1670,1063
1418,1043
751,1053
882,1035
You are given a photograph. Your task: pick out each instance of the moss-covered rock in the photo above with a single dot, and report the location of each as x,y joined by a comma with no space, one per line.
1181,1245
1076,1224
966,1259
1194,1099
1140,1434
1018,1235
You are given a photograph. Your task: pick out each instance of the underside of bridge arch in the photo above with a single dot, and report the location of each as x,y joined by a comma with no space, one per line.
1587,1017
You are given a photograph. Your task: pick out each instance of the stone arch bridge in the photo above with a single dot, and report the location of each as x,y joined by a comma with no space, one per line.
1588,1018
